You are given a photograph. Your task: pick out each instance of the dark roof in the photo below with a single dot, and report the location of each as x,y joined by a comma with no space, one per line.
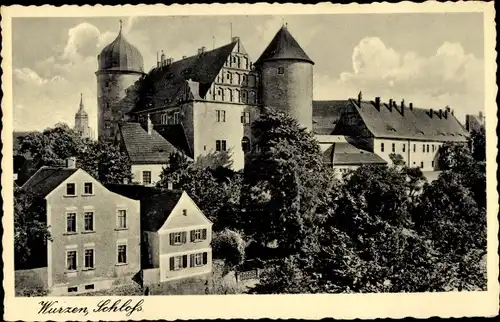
283,46
144,148
416,123
326,114
120,55
168,84
47,179
175,134
347,154
156,204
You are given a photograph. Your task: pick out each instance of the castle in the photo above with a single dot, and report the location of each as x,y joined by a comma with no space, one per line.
207,101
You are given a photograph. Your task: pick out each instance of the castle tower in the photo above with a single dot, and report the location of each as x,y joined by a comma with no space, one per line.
120,65
287,77
82,121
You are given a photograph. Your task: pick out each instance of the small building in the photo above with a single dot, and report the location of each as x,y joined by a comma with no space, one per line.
474,122
176,235
148,151
95,232
343,156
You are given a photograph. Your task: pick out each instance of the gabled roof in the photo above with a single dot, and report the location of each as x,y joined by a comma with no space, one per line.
169,83
326,114
283,47
46,179
156,204
175,134
144,148
415,123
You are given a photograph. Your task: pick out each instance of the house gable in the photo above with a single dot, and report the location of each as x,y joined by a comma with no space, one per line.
185,214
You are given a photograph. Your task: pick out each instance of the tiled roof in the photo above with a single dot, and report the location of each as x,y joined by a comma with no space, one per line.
175,134
144,148
326,114
415,123
156,204
47,179
121,55
283,46
168,84
347,154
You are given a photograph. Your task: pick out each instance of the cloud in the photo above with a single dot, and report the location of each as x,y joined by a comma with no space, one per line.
449,77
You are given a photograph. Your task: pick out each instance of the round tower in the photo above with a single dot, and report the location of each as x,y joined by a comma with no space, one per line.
120,65
287,78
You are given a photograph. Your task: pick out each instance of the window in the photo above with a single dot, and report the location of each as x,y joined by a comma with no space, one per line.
432,164
122,218
220,145
245,144
244,80
88,188
433,148
178,262
414,148
178,238
404,147
176,118
198,234
423,147
394,147
89,258
245,117
427,148
281,70
70,189
89,221
71,260
146,177
220,115
164,118
71,222
122,254
198,259
382,147
89,287
72,289
422,164
234,59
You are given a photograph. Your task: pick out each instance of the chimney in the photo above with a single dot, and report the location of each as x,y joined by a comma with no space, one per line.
390,105
360,97
411,106
71,163
162,60
149,125
452,112
481,115
184,57
203,49
200,51
403,107
440,113
157,59
445,114
235,39
431,111
169,61
377,103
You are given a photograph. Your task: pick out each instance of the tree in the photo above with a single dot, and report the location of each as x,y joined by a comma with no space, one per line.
283,181
397,159
53,146
30,229
478,140
229,246
213,187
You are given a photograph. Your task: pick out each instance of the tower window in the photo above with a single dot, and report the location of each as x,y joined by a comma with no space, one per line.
281,70
245,144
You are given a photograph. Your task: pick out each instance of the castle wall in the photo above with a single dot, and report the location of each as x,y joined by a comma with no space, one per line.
111,89
291,91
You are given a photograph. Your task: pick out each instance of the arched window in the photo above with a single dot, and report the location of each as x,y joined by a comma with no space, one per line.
245,144
237,95
229,77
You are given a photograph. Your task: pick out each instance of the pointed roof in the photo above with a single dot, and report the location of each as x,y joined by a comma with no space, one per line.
47,179
81,111
283,47
120,55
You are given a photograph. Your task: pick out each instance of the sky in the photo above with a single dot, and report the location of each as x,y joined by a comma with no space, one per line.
431,59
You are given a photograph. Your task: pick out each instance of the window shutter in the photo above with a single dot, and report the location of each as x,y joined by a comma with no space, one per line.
205,255
191,259
184,261
171,239
204,234
192,235
184,235
172,264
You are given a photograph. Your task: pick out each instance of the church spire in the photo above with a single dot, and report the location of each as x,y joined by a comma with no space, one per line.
81,111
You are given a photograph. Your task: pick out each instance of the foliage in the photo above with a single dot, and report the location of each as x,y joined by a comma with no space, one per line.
53,146
397,159
30,229
283,182
229,246
202,181
478,138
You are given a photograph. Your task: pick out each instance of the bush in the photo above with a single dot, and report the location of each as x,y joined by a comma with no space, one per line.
229,246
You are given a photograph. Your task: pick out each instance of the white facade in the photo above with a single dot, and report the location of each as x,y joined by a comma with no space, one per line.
140,173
